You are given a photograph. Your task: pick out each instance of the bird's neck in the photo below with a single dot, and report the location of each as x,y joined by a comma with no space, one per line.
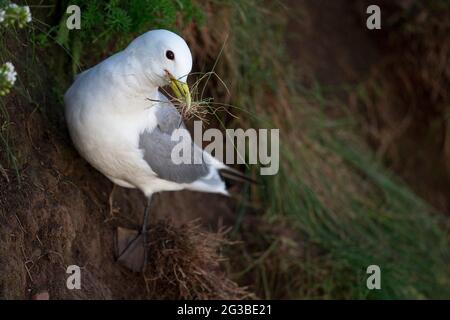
132,87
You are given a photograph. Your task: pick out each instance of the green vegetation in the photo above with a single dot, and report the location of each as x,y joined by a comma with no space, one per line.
108,26
330,186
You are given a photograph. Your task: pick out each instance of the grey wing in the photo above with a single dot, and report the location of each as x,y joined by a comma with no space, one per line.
157,146
168,118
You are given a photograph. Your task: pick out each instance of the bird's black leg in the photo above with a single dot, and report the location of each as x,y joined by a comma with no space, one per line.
145,231
132,245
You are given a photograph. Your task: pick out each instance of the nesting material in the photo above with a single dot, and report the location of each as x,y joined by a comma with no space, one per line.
184,263
199,107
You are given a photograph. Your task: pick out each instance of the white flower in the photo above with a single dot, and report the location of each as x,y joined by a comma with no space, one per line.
9,66
10,73
11,77
28,13
14,14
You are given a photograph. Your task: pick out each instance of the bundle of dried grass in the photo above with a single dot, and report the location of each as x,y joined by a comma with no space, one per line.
184,263
200,107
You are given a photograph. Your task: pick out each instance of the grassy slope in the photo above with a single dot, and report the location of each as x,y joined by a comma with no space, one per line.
332,188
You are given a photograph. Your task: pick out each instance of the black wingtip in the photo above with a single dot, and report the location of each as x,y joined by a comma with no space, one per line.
232,174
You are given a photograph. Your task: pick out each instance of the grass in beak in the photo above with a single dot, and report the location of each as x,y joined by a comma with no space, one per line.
199,107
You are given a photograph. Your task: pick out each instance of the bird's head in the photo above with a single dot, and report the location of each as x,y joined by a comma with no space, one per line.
165,59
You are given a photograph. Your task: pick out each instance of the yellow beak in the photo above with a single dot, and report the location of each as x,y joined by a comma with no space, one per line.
181,91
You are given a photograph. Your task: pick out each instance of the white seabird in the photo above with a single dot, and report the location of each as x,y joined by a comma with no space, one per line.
122,124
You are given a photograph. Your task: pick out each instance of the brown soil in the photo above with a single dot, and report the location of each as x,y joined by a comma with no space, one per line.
329,42
404,71
59,215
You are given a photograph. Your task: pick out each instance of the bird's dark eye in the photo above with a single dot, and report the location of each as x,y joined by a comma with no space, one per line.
170,55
